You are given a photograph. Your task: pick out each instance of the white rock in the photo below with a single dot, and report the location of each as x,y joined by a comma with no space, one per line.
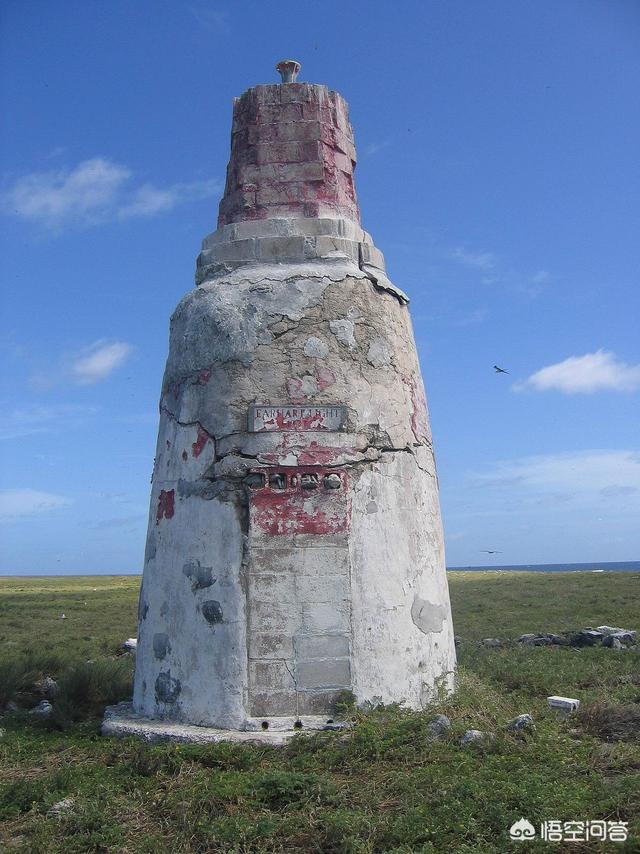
565,704
42,710
521,722
472,736
66,805
439,726
130,645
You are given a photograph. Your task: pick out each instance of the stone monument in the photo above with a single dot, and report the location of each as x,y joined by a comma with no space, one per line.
295,548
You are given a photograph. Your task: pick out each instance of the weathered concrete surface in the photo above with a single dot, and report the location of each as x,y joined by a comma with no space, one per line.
121,721
287,566
292,154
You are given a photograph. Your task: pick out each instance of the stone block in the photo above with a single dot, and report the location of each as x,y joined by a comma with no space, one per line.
318,702
236,250
322,588
315,227
264,645
273,618
280,113
265,703
321,646
312,171
270,586
306,131
324,561
278,193
372,255
324,618
268,94
262,228
270,675
281,248
323,673
326,245
295,92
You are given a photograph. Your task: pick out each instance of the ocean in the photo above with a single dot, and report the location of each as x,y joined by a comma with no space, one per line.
603,566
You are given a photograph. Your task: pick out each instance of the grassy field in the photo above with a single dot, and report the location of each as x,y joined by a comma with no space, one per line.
384,786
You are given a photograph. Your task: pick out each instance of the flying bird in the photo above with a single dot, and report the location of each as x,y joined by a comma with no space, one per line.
499,370
491,551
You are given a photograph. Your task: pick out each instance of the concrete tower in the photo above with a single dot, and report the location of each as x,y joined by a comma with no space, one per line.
295,547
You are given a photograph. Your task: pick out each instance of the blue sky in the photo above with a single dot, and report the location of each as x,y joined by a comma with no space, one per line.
498,171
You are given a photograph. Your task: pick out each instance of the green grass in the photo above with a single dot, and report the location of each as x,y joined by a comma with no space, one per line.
381,787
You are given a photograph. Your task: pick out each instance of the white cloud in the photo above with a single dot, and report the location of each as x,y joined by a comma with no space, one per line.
374,147
99,361
479,315
599,371
479,260
214,20
30,420
52,198
18,503
149,201
610,473
94,191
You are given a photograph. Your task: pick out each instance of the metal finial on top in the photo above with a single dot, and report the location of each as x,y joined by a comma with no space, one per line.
288,69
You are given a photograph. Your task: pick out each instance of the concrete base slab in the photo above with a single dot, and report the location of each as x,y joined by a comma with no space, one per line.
122,721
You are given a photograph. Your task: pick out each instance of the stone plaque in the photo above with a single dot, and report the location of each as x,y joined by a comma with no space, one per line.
288,416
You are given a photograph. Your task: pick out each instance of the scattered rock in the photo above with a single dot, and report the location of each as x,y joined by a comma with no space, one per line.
522,722
439,726
613,642
457,640
42,710
491,642
3,732
536,640
616,630
130,645
563,704
590,637
473,736
63,616
65,806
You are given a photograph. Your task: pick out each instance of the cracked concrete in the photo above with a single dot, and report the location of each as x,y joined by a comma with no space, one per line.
285,566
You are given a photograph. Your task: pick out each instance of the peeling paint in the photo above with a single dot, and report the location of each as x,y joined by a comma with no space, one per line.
198,446
316,348
161,645
167,688
343,330
166,505
212,611
200,576
293,509
427,616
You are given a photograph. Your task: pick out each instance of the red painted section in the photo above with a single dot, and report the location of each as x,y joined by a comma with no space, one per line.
292,154
300,389
320,455
295,510
204,377
325,377
198,446
166,505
